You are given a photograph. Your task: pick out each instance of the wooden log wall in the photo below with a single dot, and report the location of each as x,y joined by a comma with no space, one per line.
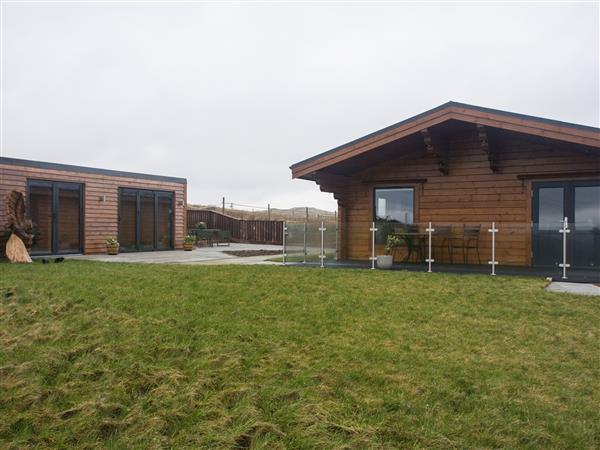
471,193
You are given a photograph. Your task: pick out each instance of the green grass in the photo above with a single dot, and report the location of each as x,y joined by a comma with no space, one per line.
105,355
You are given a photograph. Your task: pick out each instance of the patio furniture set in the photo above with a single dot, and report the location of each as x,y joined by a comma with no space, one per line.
443,239
211,237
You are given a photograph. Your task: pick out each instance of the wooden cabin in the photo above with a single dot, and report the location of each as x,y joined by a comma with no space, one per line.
461,167
74,209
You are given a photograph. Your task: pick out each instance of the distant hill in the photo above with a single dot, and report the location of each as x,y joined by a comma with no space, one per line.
297,213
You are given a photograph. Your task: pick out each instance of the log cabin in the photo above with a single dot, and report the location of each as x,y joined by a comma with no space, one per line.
74,209
463,167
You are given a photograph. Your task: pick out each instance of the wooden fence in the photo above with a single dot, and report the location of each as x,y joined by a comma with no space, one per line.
251,231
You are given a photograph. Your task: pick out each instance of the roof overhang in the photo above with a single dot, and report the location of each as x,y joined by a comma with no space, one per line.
537,126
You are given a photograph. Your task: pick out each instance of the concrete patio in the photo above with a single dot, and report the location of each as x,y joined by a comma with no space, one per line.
574,288
200,255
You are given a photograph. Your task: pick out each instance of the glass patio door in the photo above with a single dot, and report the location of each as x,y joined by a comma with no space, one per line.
40,211
579,202
549,212
68,218
56,210
164,220
586,221
127,220
145,220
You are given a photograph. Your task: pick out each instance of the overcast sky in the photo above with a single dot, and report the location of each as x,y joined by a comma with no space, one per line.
229,96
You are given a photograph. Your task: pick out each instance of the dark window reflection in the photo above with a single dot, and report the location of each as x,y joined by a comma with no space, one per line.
69,212
551,208
587,207
40,209
394,205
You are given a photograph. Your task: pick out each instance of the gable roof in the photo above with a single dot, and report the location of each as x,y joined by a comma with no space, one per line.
553,129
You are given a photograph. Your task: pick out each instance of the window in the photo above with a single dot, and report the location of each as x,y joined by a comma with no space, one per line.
394,205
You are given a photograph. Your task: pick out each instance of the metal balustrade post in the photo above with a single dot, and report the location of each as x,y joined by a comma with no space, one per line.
564,230
322,255
493,262
304,245
373,258
285,232
429,259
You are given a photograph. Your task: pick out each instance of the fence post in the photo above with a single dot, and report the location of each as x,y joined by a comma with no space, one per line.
284,240
493,262
304,244
564,230
373,258
429,259
335,255
322,255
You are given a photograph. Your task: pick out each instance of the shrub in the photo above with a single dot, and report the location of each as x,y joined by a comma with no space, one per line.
189,239
393,242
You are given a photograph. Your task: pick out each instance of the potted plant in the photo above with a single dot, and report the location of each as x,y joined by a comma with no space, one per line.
188,242
112,245
201,226
392,243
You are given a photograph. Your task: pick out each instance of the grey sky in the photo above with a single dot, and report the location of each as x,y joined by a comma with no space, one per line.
230,95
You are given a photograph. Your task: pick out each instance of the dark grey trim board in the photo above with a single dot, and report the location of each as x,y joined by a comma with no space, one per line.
92,170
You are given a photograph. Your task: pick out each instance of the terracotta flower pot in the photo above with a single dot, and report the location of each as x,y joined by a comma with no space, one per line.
112,249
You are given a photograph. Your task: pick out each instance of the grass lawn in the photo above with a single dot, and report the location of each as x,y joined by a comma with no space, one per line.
299,257
96,355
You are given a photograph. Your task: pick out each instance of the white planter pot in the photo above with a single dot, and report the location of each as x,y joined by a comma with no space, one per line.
385,261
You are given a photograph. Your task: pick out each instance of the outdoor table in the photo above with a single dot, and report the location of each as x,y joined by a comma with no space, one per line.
411,238
207,234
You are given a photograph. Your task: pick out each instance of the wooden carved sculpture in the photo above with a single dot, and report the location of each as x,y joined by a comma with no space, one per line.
19,226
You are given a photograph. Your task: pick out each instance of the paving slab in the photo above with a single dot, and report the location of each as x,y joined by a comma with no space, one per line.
573,288
199,255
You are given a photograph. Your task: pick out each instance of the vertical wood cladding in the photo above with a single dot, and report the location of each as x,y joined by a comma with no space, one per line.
100,205
470,193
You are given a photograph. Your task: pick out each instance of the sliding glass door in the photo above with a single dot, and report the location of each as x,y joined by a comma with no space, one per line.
56,210
145,220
